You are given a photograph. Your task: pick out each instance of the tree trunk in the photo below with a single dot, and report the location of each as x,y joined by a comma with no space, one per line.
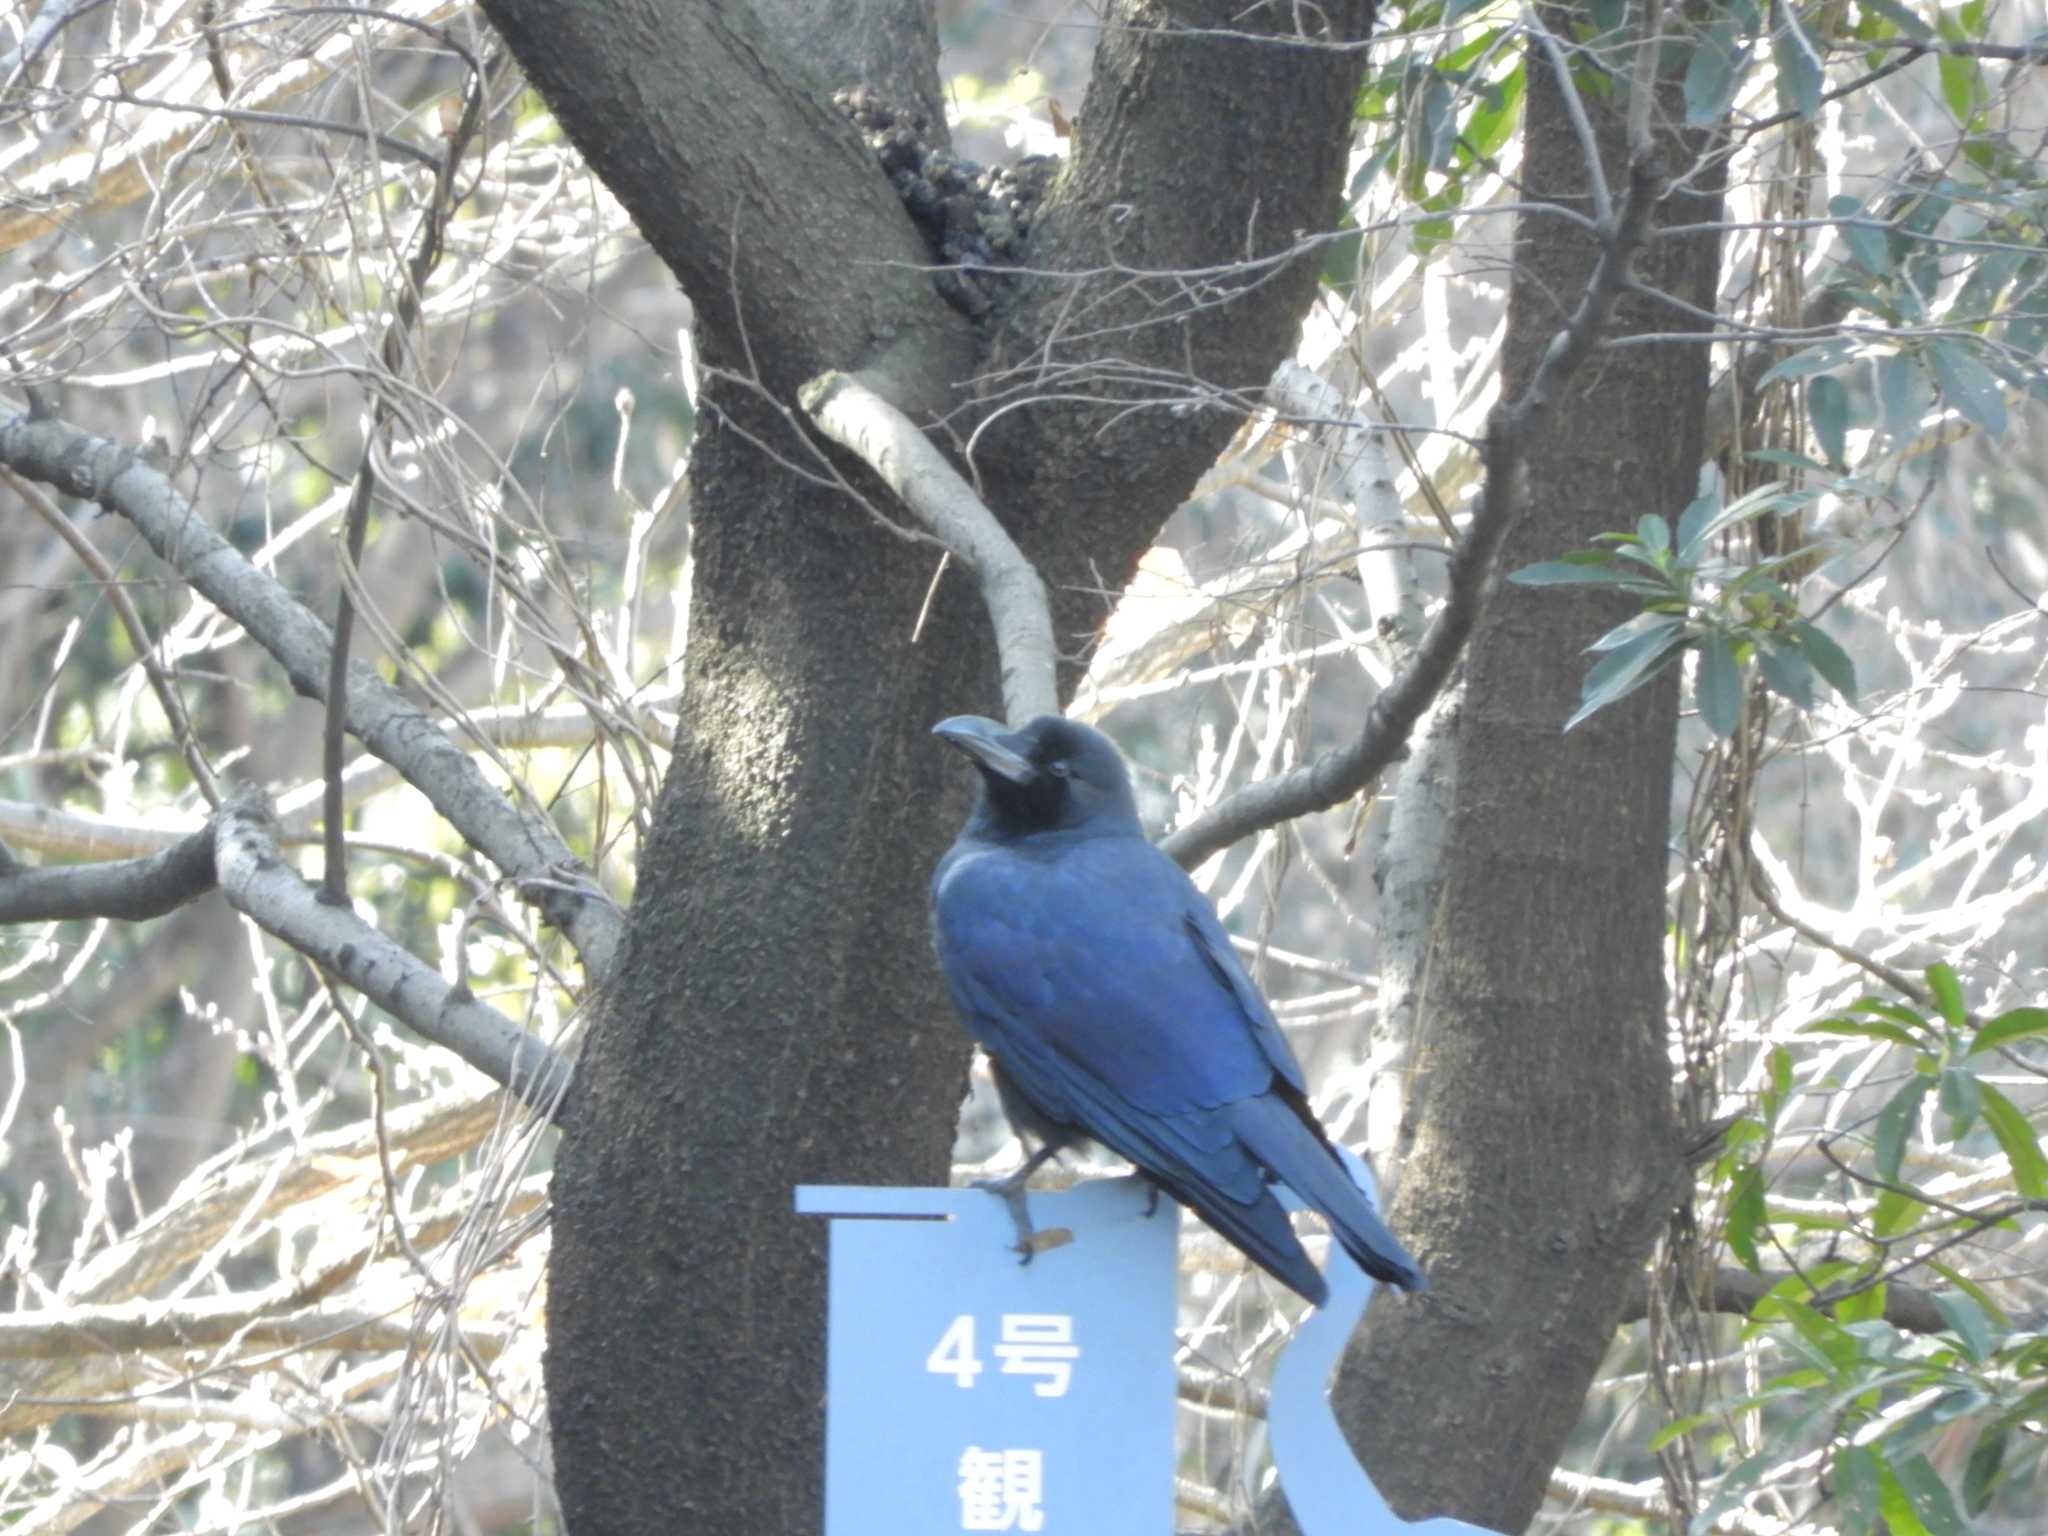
776,1017
1524,958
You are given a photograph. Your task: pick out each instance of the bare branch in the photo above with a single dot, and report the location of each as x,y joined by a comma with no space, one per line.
239,1187
1737,1291
248,1322
1393,596
46,197
428,244
125,889
77,836
527,848
1337,775
260,884
886,440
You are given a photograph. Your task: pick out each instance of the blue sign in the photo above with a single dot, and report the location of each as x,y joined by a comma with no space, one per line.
968,1392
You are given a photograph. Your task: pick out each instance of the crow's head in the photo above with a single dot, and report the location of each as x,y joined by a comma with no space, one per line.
1053,775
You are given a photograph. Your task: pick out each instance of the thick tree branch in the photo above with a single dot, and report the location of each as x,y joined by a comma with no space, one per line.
527,848
261,885
759,196
128,890
882,437
1514,424
1162,294
75,836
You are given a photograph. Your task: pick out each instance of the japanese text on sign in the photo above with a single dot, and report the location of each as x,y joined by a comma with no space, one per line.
1030,1344
1001,1490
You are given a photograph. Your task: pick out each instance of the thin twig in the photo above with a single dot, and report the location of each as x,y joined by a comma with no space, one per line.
405,316
166,690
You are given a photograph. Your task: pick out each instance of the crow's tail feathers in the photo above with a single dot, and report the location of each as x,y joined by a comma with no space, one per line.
1275,1133
1264,1232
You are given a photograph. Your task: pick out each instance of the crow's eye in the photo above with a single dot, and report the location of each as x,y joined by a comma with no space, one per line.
1058,770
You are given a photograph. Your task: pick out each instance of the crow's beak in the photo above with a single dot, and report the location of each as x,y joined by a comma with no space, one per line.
989,744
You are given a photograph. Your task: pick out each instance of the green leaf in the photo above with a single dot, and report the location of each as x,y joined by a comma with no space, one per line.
1961,1099
1720,686
1608,15
1948,995
1895,1123
1772,1099
1900,1518
1699,513
1962,86
1864,1306
1828,658
1678,1428
1895,1211
1898,1013
1903,394
2013,1024
1899,16
1430,127
1746,1213
1714,73
1841,1348
1561,573
1930,1497
1827,403
1641,624
1868,1029
1457,10
1822,357
1623,670
1980,1477
1974,1291
1339,267
1978,297
1969,1323
1967,384
1786,671
1800,69
2016,1139
1493,122
1772,497
1858,1478
1863,235
1654,532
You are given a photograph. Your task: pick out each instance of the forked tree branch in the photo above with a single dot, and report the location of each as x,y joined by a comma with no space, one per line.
526,848
260,884
238,851
1512,426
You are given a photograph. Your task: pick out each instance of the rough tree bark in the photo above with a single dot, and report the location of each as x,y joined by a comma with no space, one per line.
1524,955
775,1018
